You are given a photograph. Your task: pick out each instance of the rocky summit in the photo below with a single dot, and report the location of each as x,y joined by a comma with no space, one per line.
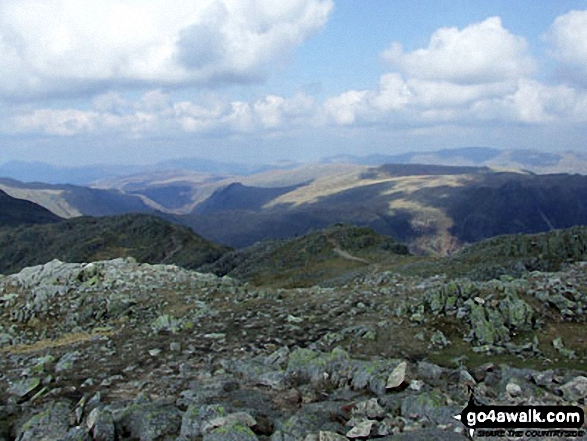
120,350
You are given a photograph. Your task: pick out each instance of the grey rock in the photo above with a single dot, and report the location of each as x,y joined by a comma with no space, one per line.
23,387
513,389
439,340
560,347
575,389
101,424
233,432
310,419
5,339
361,429
256,371
49,424
372,375
430,372
543,379
151,421
77,434
316,367
67,362
237,418
430,406
166,323
397,376
197,416
278,358
325,436
369,409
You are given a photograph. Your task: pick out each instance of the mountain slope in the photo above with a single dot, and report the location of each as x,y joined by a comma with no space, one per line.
15,211
85,239
72,200
319,256
434,209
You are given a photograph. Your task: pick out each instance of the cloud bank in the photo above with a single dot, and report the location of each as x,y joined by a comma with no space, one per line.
58,47
480,76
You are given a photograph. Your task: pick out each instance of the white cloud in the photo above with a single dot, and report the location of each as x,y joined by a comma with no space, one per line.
58,46
156,112
438,86
478,75
63,122
480,53
535,103
345,107
568,39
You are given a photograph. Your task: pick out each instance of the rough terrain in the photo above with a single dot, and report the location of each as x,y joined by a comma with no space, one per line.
119,350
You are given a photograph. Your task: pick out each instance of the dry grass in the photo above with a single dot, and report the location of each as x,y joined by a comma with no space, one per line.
52,200
326,186
64,340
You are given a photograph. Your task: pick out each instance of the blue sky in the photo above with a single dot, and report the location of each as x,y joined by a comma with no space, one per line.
257,80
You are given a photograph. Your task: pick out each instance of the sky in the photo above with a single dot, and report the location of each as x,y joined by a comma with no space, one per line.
141,81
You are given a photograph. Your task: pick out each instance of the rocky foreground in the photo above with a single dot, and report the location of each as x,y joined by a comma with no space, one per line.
117,350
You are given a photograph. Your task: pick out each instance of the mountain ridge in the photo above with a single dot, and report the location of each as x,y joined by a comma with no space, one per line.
145,237
15,211
522,159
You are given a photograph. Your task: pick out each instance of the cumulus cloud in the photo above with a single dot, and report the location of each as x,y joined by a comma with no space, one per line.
416,102
68,46
534,103
568,39
480,53
156,112
478,76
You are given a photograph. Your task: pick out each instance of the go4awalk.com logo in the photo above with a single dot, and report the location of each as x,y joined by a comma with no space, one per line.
522,421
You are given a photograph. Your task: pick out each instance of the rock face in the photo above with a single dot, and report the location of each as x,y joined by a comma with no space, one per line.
115,350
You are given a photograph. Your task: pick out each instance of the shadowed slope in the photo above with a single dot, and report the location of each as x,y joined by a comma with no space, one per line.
85,239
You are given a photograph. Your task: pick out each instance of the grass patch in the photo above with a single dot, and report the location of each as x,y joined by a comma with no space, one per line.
64,340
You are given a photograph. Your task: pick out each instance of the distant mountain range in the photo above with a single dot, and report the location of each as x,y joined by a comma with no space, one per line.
105,174
433,209
430,207
36,171
529,160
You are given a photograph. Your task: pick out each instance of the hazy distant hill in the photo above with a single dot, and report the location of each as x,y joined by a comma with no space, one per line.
36,171
15,211
85,239
111,174
530,160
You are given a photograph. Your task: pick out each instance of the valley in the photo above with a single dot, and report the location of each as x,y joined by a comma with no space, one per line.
355,302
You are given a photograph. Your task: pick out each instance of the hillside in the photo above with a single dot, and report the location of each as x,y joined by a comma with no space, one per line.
117,349
318,257
15,212
181,191
72,200
85,239
433,209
